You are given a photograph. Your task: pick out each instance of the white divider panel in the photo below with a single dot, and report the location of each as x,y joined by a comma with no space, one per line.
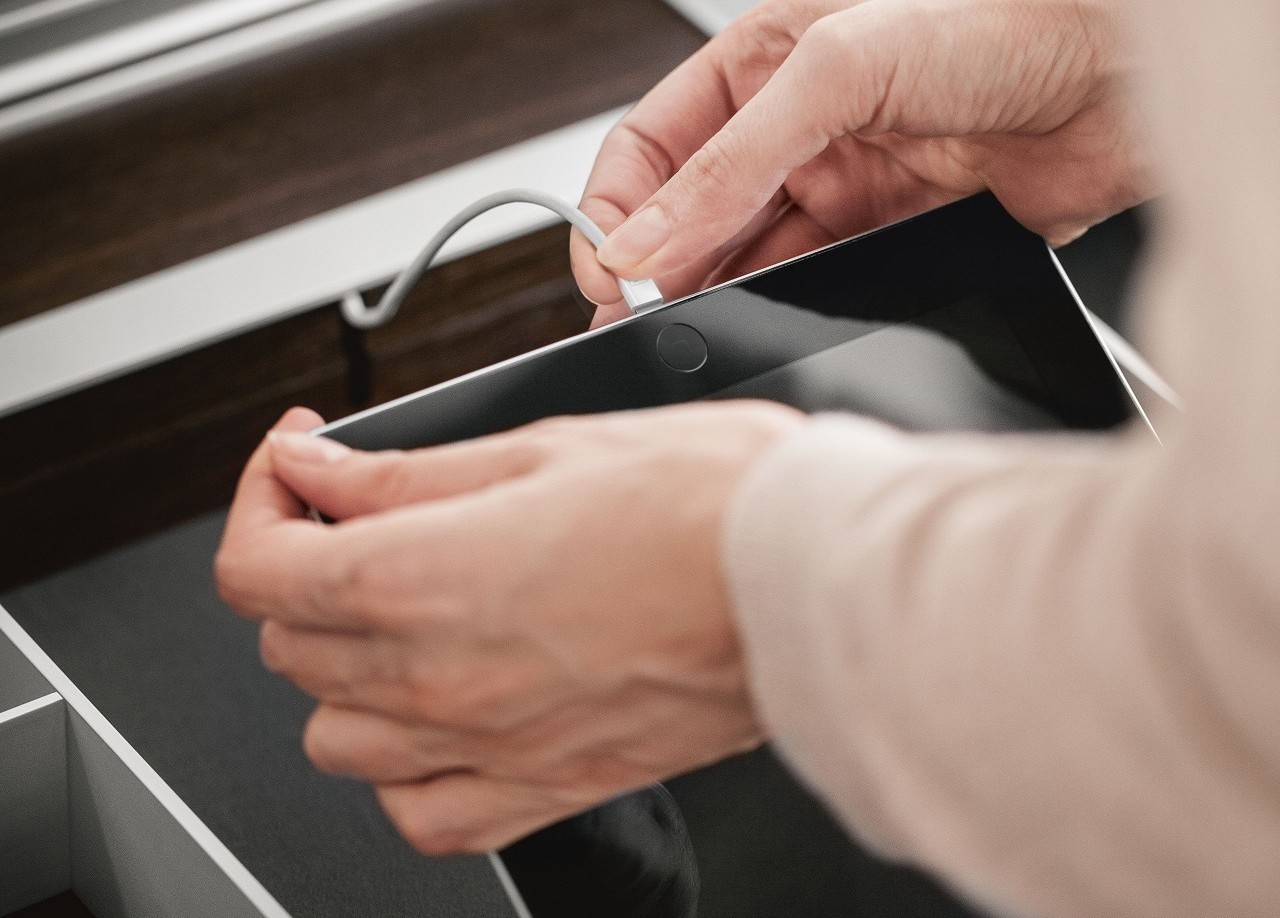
135,849
35,860
130,857
20,681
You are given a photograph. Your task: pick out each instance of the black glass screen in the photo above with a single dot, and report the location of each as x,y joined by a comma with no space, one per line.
958,318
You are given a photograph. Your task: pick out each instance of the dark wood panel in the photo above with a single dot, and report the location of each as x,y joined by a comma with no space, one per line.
127,191
123,192
111,464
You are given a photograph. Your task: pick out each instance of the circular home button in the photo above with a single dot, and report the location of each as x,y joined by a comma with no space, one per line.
682,348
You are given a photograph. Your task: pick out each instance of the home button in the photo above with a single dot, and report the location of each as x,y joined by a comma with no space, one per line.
682,348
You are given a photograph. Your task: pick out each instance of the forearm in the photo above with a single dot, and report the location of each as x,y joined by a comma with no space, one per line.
1017,665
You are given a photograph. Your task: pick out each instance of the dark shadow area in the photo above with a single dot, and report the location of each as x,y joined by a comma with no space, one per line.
63,905
1101,265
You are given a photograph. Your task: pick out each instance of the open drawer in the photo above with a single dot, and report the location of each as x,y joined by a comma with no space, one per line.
35,858
83,813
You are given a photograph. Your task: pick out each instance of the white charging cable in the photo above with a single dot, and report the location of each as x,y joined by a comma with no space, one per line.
641,296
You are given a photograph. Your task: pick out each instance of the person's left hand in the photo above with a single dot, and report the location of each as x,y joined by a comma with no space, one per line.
506,631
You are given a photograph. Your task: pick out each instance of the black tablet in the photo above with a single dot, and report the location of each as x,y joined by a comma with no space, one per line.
956,319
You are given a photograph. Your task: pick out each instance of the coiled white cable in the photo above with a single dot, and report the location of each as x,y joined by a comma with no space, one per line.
641,296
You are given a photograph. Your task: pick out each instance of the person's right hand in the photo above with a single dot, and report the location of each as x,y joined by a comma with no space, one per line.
807,121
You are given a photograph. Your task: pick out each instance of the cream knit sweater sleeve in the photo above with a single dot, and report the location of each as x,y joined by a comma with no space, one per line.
1049,669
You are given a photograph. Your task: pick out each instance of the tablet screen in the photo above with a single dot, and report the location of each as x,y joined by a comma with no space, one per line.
947,388
957,319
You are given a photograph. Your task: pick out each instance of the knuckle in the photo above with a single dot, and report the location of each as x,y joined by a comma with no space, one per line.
712,167
474,704
436,691
457,698
824,44
426,686
435,842
228,572
766,33
390,476
592,775
367,586
317,745
270,648
578,772
470,841
649,155
417,827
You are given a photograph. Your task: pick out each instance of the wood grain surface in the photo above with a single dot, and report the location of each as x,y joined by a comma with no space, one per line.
113,196
122,193
102,467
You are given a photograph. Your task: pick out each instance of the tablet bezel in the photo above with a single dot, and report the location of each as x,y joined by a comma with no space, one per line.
617,367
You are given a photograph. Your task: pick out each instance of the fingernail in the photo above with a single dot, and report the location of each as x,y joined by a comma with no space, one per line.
634,241
302,447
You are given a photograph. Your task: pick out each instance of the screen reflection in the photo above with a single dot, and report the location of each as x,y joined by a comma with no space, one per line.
628,858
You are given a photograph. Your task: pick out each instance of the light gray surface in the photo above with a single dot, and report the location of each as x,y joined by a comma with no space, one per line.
130,857
34,851
712,15
20,681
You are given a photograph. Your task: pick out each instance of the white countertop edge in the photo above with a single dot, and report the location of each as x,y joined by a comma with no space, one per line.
285,272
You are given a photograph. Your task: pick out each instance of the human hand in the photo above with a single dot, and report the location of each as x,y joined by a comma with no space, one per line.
506,631
807,121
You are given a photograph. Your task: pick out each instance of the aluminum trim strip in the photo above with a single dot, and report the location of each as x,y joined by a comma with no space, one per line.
711,16
28,15
129,43
288,29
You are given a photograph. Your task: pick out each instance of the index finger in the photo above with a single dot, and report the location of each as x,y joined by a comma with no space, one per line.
672,123
260,499
272,557
644,150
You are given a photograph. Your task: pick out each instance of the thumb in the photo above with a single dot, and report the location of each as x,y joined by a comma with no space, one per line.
342,482
721,189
